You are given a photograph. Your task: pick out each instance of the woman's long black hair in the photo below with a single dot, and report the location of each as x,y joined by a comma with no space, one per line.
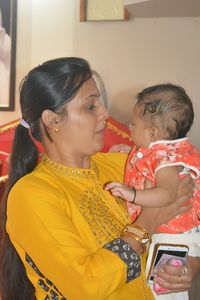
48,86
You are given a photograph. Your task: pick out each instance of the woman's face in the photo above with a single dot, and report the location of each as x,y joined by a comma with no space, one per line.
83,129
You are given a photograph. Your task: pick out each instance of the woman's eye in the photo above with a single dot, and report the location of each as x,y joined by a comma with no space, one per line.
91,106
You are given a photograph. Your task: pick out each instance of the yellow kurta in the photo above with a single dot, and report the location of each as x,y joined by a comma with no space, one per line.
59,218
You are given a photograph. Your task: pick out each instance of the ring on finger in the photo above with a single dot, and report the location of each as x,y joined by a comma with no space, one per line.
179,279
185,270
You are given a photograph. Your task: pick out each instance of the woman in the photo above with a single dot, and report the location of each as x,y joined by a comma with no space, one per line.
66,231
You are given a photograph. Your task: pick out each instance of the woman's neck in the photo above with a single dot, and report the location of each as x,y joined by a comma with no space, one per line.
68,158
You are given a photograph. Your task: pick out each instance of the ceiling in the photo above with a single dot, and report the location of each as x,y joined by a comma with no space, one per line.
163,8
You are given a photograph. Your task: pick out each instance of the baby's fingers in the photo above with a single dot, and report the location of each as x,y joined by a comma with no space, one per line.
112,185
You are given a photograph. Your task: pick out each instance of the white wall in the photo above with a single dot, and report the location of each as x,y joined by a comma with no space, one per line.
141,52
128,55
44,31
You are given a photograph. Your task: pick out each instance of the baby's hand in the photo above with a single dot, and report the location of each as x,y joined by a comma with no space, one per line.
117,189
120,148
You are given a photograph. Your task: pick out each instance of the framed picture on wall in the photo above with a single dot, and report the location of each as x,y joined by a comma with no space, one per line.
103,10
8,24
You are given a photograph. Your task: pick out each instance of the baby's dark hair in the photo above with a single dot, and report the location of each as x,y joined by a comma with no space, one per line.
167,107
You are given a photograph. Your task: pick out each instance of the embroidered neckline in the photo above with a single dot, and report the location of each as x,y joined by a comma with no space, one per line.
67,171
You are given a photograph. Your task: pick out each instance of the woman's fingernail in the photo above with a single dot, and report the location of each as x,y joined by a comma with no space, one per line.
175,262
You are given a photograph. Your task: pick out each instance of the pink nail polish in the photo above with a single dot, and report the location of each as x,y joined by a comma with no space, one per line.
159,289
175,262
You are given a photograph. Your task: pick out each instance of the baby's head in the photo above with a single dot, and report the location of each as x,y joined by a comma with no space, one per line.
162,112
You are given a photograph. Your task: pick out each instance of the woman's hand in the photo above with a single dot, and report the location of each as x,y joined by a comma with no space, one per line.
152,218
177,279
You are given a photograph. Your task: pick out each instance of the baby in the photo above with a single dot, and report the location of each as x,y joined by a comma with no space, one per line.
162,117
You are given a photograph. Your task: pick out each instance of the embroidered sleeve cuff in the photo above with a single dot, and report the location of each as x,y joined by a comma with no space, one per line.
128,255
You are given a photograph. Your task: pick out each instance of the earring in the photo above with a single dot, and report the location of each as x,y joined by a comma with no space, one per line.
56,129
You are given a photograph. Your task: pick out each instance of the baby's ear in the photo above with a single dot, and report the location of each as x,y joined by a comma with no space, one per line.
154,134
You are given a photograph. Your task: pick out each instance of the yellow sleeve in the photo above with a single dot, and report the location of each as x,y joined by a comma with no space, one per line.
53,243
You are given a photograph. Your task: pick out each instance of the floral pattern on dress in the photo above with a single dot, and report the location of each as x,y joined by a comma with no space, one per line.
143,163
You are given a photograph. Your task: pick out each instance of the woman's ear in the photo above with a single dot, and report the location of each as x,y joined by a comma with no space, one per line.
50,120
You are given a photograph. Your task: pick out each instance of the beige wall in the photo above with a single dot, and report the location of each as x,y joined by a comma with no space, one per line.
141,52
128,55
44,31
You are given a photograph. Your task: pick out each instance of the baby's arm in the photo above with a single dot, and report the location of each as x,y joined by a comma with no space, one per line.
167,181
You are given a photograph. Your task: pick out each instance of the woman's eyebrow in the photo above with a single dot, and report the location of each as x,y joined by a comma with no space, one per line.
96,95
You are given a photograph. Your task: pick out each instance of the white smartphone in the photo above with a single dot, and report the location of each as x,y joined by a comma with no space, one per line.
163,253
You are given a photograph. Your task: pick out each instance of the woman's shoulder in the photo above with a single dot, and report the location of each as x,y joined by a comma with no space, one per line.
37,184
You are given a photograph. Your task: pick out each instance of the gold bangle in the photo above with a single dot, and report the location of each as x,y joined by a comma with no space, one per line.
129,229
137,238
142,235
139,228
